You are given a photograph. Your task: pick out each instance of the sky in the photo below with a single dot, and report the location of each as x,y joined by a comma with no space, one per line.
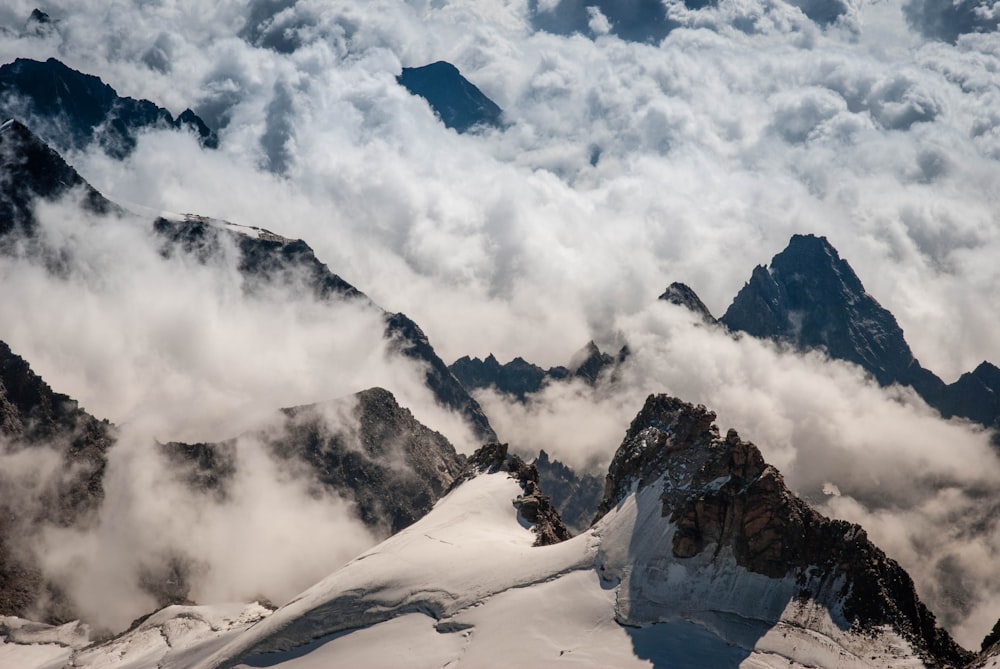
644,143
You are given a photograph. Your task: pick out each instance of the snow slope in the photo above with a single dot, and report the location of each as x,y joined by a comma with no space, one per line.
465,586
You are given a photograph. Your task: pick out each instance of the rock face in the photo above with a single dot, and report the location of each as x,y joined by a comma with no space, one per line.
30,170
393,467
726,503
810,298
74,109
456,100
975,395
682,295
536,508
520,378
517,377
37,422
574,495
364,448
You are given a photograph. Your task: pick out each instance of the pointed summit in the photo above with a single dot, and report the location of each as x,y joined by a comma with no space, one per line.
456,100
683,296
715,526
31,170
811,298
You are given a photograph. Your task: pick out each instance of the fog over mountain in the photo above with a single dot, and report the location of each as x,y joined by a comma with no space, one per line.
640,143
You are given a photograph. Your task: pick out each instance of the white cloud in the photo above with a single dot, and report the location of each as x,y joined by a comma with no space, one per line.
626,166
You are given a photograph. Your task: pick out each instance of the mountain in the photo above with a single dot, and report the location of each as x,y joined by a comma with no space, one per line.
574,495
701,557
460,105
521,378
35,420
683,296
366,448
76,109
810,298
39,172
32,170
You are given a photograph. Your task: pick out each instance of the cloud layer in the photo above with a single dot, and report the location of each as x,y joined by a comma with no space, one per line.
690,154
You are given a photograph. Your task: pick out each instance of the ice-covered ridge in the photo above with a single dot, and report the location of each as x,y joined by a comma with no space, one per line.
176,636
6,124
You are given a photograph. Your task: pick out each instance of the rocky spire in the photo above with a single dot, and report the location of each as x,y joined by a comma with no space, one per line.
683,296
726,503
811,298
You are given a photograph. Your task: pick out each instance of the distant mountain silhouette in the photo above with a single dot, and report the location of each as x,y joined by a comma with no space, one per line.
72,110
456,100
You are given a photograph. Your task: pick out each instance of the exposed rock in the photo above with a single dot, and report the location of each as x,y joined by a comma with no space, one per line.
30,170
35,418
460,105
574,495
682,295
975,395
520,378
393,467
535,507
810,298
73,109
724,499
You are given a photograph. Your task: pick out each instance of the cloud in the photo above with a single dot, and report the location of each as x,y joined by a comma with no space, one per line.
690,154
949,20
271,536
922,487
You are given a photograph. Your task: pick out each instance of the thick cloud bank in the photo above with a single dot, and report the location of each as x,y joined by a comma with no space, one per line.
628,161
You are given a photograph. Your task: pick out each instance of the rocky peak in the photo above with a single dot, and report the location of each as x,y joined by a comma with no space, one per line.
80,108
811,298
534,506
33,416
29,169
460,105
726,503
683,296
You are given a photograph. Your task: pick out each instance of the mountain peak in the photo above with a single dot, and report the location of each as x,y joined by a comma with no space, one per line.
720,507
811,298
85,109
457,101
683,296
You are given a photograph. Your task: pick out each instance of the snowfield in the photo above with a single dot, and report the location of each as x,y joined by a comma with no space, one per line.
465,586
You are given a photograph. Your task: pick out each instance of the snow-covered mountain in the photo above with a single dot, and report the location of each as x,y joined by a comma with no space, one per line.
702,557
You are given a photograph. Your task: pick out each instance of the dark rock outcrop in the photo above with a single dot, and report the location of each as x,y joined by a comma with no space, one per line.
534,506
460,105
520,378
722,497
517,377
34,418
975,395
810,298
683,296
73,110
30,170
365,448
574,495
